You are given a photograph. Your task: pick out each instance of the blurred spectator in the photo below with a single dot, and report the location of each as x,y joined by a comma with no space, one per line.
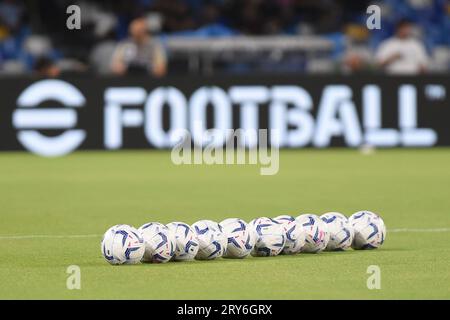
140,53
177,15
45,67
11,14
402,53
357,57
357,60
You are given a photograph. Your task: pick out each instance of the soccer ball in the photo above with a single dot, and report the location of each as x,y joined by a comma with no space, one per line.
186,241
341,231
240,238
212,241
336,214
317,235
362,216
269,237
370,230
260,220
159,241
295,234
122,244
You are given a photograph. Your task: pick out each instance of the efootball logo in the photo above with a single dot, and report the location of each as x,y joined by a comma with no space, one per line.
28,118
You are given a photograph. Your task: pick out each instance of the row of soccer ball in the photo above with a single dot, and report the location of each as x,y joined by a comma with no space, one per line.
234,238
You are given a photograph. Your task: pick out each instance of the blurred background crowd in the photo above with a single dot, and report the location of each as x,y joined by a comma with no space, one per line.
159,37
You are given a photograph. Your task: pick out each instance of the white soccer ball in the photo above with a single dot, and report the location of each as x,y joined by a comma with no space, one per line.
369,228
269,237
186,241
260,220
122,244
362,216
317,235
340,229
240,238
212,241
295,234
159,241
336,214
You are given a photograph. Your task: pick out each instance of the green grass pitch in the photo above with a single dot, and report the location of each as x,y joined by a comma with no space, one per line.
74,199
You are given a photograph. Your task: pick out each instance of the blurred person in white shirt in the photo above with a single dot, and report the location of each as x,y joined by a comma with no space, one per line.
140,53
402,54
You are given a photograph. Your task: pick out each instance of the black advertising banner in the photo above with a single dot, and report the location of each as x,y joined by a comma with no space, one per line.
53,117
